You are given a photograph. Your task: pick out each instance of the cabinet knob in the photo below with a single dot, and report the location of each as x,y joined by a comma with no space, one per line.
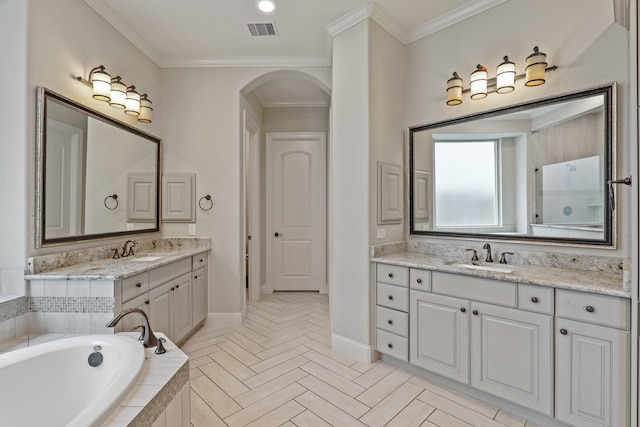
390,297
419,280
173,289
535,300
147,302
475,312
462,309
390,322
138,285
563,331
390,345
195,277
590,309
201,260
391,275
177,286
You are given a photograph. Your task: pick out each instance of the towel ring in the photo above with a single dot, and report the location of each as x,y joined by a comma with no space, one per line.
207,197
115,199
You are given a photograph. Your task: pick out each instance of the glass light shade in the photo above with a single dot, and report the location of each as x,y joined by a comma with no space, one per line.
266,6
454,90
536,66
118,93
101,82
506,76
146,111
132,102
478,82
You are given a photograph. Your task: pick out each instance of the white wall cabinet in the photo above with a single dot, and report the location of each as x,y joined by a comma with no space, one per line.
178,201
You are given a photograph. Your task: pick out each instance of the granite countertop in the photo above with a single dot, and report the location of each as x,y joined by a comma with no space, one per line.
115,269
597,282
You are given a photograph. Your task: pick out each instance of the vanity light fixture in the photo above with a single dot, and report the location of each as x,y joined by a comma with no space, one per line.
478,82
117,94
145,109
266,6
504,82
132,102
454,90
101,82
506,76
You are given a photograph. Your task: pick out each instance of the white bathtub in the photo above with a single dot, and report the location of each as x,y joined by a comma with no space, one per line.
52,384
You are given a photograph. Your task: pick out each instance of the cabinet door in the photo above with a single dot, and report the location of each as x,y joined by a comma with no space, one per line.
439,334
592,368
160,309
199,296
512,355
181,307
132,320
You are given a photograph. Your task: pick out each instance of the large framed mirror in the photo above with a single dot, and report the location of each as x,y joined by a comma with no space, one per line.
536,171
96,177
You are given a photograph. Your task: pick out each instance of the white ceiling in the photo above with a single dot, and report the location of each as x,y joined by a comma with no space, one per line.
213,33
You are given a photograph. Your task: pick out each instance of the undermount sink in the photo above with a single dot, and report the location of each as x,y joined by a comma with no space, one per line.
148,258
494,269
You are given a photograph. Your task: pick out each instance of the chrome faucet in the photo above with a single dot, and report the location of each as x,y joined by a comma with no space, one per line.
488,248
148,338
128,252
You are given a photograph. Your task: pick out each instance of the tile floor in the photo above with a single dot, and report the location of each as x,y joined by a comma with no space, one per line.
278,369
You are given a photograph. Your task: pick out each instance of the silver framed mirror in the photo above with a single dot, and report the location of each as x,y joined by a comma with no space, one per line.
96,177
535,172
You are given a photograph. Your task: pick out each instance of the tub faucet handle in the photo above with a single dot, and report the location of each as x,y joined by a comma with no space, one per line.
503,257
474,257
160,349
142,334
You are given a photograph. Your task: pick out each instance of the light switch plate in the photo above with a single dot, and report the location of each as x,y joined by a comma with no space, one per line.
382,233
192,229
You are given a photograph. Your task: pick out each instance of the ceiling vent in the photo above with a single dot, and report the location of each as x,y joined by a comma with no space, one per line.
262,29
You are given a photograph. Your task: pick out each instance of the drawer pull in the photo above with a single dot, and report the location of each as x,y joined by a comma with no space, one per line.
201,260
173,289
475,312
390,297
147,302
419,281
563,331
462,309
535,300
390,345
590,309
391,275
138,285
177,286
390,322
195,277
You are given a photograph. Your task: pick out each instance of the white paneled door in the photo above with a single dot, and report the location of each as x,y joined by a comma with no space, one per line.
296,206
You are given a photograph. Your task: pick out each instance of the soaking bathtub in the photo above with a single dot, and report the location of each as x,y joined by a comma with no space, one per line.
54,384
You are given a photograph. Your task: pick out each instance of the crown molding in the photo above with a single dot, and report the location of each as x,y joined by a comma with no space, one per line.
455,16
391,26
283,61
352,18
107,14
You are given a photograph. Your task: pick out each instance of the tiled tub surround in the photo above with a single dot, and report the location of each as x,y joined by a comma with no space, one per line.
77,292
608,282
161,396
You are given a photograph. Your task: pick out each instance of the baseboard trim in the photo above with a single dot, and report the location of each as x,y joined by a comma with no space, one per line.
224,319
353,349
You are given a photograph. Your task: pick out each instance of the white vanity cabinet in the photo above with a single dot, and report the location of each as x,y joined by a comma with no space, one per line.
199,290
392,305
592,359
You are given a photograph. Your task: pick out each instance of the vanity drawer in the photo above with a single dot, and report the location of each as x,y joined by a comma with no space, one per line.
535,298
392,321
420,280
163,274
134,286
392,274
199,260
395,297
474,288
392,344
600,309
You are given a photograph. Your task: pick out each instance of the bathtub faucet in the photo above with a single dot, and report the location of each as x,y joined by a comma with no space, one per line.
148,338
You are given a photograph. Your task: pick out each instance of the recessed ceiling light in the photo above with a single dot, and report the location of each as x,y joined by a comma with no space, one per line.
266,6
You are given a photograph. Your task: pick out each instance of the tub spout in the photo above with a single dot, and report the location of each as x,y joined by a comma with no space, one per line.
148,338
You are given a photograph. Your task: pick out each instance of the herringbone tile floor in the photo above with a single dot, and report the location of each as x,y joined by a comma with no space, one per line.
278,369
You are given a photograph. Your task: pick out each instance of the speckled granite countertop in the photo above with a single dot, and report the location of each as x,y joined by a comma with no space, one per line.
597,282
115,269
